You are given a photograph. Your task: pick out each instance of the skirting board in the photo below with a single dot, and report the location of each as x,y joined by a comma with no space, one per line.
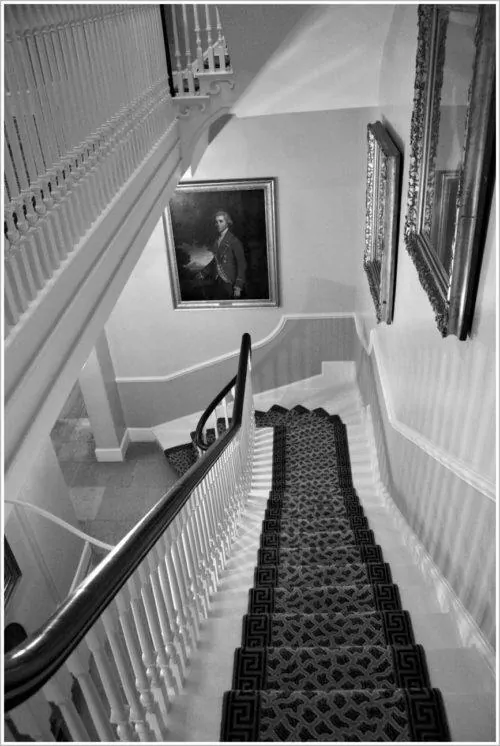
469,632
114,454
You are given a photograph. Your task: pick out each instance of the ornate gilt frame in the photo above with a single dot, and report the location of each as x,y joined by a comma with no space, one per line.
452,294
381,227
192,208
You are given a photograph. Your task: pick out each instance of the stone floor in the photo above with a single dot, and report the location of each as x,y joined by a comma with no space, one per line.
109,498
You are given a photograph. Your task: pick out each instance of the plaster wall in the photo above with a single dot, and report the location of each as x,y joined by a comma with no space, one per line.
47,554
318,161
443,389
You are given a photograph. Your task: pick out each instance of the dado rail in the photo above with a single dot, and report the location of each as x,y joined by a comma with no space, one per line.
127,631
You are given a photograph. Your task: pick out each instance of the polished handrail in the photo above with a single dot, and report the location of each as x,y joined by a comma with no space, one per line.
30,665
198,436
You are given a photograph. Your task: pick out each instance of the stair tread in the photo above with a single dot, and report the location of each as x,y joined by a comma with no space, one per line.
326,623
345,715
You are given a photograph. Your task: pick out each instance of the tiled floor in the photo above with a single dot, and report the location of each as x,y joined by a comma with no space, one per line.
109,498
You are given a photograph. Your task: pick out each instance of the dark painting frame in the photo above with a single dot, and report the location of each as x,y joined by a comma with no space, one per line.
191,239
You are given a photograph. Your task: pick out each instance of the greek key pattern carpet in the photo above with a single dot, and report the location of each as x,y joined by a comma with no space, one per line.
327,651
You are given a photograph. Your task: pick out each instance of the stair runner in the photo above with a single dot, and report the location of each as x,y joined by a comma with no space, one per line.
181,458
328,653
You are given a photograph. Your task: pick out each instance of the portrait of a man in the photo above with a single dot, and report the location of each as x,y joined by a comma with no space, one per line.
221,243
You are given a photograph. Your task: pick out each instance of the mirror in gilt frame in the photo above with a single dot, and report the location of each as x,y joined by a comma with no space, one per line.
451,157
381,228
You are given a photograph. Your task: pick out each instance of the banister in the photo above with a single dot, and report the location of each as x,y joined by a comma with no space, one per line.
198,436
30,665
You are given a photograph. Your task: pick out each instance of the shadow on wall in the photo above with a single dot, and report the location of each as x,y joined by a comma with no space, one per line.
298,351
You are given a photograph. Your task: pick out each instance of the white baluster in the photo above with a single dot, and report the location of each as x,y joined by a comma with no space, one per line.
209,526
163,659
177,53
166,618
146,697
200,571
210,49
78,666
199,51
58,691
175,583
118,716
188,545
139,614
125,670
220,41
226,416
187,52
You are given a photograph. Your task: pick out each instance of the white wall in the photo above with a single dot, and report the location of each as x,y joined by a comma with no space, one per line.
443,389
47,554
318,160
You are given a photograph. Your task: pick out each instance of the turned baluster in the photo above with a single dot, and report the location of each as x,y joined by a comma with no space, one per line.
199,51
140,615
209,525
177,645
163,658
77,664
177,53
124,666
176,584
142,685
220,41
118,715
187,52
200,571
218,535
188,546
210,49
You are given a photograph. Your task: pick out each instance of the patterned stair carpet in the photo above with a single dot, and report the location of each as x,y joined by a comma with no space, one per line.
181,458
327,653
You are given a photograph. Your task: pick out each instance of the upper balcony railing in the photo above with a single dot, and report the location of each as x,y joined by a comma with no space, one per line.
86,98
127,631
198,47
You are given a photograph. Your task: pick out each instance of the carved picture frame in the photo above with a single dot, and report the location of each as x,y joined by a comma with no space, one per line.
451,286
199,262
381,226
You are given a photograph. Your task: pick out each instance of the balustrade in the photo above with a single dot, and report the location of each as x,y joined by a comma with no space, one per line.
86,99
132,661
210,56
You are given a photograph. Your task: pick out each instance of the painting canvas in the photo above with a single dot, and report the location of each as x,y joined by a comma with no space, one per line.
221,243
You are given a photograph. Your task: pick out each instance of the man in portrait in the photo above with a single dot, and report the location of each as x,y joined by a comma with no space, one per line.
227,270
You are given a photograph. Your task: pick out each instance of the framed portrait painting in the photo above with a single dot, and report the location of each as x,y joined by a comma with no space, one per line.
222,244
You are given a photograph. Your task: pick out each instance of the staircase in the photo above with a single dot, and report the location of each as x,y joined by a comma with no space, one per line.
460,673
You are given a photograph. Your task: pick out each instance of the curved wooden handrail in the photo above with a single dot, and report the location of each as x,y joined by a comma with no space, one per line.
198,436
30,665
